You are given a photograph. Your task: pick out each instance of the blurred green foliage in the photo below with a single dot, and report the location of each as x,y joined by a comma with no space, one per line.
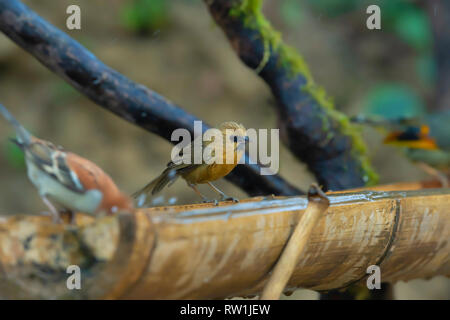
145,16
14,155
426,68
391,101
413,27
292,12
333,8
401,17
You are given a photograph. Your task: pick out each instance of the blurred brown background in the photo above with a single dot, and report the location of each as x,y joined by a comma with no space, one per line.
186,58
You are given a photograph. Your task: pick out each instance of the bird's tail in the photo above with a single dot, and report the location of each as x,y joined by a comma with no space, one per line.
379,122
156,185
23,136
370,120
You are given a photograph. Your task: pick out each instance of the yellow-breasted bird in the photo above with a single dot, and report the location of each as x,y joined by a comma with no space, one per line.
425,140
234,138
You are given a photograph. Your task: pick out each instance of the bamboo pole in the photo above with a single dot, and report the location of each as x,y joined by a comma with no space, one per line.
200,251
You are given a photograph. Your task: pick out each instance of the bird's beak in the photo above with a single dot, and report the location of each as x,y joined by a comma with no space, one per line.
242,144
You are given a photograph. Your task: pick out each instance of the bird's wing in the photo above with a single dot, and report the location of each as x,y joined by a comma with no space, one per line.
52,160
182,167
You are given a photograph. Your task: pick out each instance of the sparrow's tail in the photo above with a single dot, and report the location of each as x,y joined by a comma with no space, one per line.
168,176
23,136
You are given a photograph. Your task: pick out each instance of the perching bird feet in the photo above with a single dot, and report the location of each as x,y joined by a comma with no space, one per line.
55,218
215,201
53,211
226,198
223,196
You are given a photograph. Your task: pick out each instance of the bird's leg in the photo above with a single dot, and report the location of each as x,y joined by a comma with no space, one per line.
442,177
224,197
71,217
53,211
205,199
70,214
73,221
270,197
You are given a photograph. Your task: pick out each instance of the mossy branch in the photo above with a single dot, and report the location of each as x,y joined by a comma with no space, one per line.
313,129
